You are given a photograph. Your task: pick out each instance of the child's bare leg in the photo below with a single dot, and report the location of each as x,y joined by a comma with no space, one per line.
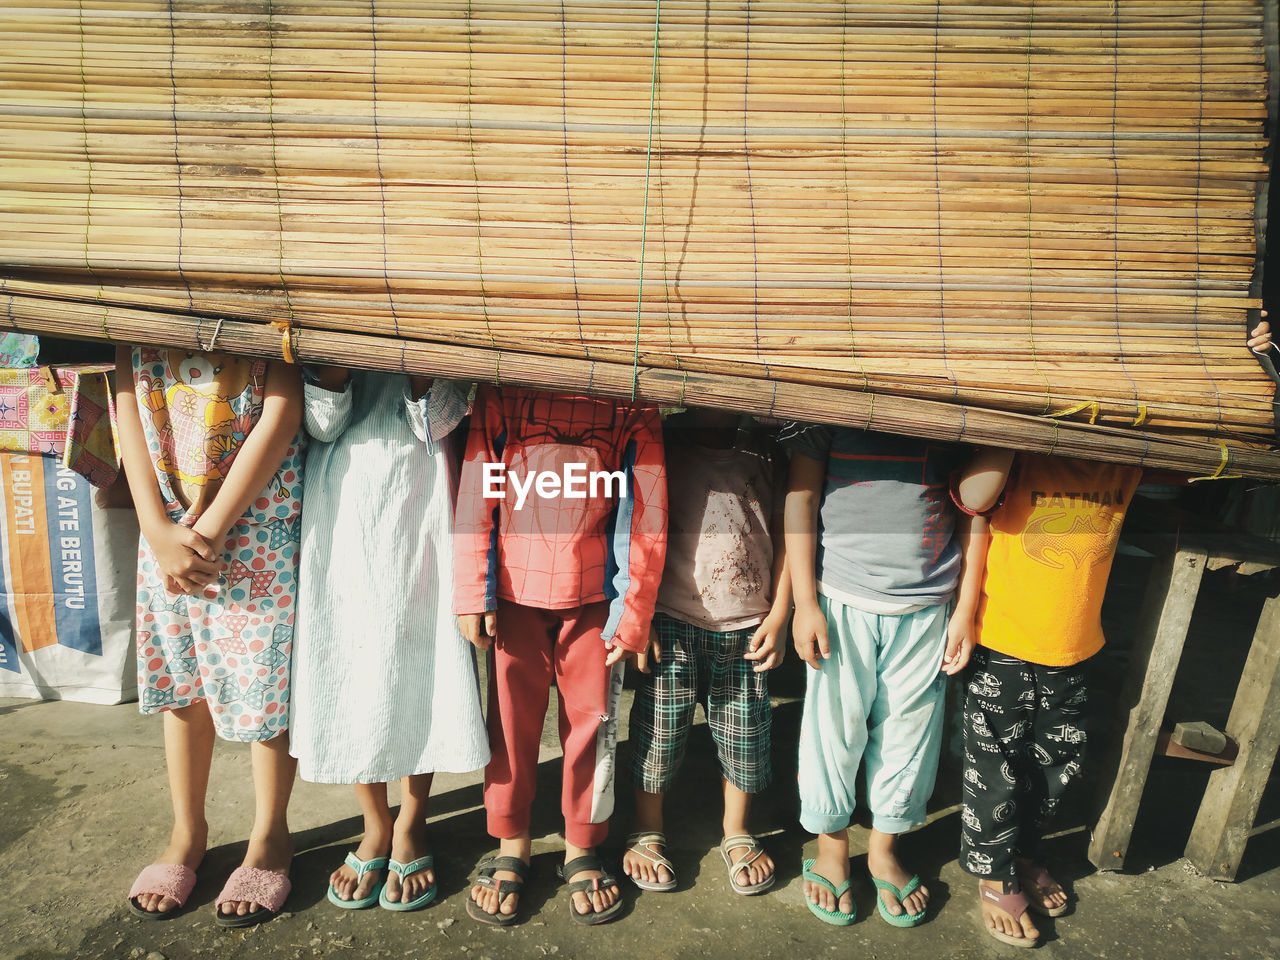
188,751
997,919
648,818
832,862
410,839
520,847
600,900
270,844
737,807
883,864
375,843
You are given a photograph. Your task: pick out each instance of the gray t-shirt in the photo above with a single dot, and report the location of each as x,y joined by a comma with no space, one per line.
885,526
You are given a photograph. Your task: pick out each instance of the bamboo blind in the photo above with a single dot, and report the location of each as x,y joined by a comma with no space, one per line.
1035,212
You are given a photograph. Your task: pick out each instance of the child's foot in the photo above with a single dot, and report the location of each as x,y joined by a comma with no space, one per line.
486,898
884,865
834,869
409,844
646,863
594,895
1013,927
272,852
1044,892
750,868
185,848
343,880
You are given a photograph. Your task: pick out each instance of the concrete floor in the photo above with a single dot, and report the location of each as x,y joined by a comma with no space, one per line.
84,804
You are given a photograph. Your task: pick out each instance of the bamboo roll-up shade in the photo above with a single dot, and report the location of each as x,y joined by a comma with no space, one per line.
1044,209
733,389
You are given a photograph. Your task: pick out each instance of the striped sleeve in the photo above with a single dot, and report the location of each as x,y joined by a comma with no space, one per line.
812,440
475,535
437,414
638,535
326,412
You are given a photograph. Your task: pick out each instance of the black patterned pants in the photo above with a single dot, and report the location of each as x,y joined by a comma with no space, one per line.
1023,743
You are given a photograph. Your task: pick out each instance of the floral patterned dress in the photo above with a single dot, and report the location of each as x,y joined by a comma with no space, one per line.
229,647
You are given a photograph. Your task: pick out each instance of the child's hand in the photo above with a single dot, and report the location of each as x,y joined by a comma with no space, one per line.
469,625
637,658
809,634
1260,336
186,561
765,647
960,641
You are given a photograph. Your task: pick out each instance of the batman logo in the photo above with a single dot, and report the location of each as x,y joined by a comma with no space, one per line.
1058,539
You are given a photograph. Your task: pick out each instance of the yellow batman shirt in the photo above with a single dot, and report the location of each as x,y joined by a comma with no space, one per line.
1052,541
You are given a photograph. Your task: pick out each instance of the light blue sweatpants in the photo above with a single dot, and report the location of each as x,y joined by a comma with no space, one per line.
879,698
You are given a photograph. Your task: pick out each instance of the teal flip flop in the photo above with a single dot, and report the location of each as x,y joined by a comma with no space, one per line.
834,917
903,919
361,867
403,870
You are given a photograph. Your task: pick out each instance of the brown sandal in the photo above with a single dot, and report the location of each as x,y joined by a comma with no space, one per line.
1014,904
1038,876
504,888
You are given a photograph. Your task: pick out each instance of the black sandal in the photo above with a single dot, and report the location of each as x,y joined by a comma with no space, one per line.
485,878
578,865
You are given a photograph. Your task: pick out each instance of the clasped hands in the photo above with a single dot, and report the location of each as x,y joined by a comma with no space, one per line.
187,561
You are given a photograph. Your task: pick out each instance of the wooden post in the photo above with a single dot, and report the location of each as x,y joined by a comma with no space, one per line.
1166,615
1231,799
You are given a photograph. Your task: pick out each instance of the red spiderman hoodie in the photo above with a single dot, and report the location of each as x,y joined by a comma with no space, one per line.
563,550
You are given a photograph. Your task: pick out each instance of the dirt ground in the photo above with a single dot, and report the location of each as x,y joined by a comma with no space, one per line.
83,805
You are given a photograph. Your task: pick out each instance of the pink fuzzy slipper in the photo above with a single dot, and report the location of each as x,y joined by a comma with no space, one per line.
266,888
171,880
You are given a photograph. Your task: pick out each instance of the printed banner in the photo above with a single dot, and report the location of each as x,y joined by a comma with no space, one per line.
66,585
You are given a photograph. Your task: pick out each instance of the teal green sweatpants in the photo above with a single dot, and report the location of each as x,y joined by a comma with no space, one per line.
878,698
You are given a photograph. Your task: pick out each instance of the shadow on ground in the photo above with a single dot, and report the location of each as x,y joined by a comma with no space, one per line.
83,805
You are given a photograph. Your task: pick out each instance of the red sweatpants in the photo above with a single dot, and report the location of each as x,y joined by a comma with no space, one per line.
535,645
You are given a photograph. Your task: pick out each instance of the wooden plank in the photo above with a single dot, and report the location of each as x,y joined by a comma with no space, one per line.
1242,567
1230,802
1156,521
1166,615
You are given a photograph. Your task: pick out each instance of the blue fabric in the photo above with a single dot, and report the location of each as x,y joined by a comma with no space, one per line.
618,575
491,555
878,699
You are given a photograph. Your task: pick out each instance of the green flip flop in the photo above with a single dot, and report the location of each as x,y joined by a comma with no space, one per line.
403,870
835,917
361,867
903,919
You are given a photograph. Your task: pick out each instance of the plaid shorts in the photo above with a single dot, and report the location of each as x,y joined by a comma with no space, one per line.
701,666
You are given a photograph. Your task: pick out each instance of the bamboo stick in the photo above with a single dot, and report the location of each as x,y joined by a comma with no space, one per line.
930,419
